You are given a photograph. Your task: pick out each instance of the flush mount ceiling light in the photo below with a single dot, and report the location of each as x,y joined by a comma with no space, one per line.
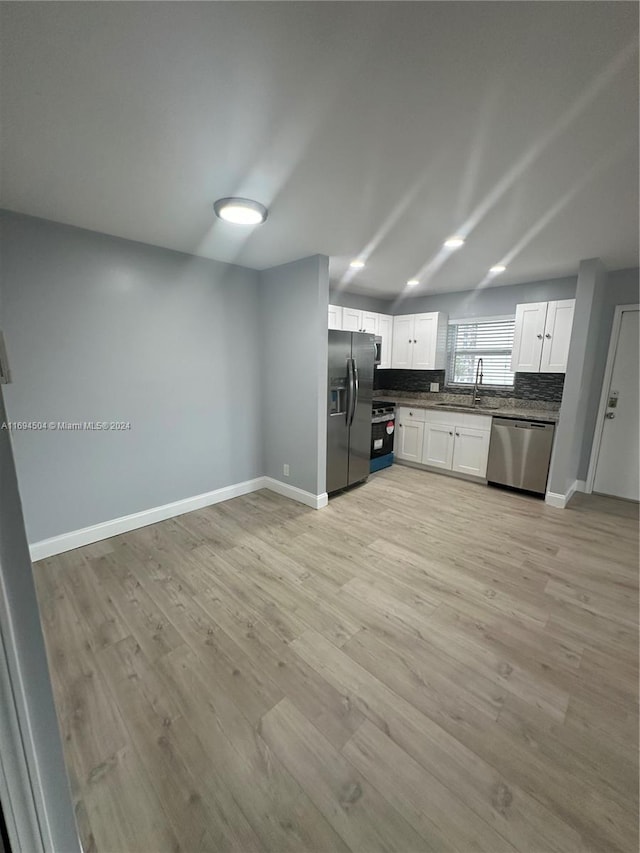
356,264
413,282
454,242
497,269
240,211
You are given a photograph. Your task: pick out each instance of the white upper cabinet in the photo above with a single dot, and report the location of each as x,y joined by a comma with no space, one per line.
557,336
335,317
402,345
354,320
369,322
542,336
351,320
419,341
528,337
385,330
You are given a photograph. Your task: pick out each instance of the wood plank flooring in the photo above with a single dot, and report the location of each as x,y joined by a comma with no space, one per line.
425,665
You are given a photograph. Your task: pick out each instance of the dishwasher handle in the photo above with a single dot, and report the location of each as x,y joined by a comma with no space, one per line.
510,423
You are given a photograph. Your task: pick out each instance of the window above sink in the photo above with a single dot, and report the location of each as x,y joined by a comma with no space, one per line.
490,339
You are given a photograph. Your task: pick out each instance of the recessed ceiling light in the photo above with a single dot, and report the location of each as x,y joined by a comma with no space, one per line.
497,269
356,264
240,211
454,242
412,282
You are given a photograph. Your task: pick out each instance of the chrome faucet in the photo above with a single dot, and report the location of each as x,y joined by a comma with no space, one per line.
477,381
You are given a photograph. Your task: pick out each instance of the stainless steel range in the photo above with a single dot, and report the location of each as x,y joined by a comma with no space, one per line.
383,427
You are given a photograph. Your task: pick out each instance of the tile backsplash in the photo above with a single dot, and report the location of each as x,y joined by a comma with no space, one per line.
545,387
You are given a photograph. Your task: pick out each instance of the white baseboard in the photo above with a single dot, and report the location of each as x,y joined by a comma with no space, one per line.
106,529
296,494
560,501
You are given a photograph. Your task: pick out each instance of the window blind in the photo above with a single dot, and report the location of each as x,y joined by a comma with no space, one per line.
490,340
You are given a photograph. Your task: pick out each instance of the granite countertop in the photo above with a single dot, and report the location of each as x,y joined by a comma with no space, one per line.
494,410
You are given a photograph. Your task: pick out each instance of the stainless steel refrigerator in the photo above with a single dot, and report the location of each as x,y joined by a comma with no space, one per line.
351,357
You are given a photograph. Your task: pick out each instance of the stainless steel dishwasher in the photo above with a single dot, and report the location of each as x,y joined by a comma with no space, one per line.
519,454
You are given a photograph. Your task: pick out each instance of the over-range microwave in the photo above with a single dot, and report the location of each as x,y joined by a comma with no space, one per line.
377,358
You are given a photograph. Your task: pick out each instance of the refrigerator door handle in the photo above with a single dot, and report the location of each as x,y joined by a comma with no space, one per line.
350,392
356,387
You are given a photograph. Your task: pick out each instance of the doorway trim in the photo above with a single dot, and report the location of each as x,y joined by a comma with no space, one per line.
604,394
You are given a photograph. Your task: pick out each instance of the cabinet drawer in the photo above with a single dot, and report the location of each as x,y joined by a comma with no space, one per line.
474,421
411,414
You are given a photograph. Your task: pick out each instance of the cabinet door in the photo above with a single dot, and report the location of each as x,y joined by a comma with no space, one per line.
438,445
402,346
409,440
370,322
557,336
351,320
425,339
335,317
385,328
471,451
528,338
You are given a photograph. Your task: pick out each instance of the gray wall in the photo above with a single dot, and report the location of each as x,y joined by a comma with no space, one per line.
99,328
581,364
359,302
23,647
622,288
294,299
488,301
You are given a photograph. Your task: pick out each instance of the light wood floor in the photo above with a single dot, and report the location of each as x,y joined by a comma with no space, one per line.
425,665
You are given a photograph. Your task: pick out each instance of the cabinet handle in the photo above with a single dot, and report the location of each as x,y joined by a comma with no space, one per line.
547,335
450,433
415,342
409,340
458,434
539,336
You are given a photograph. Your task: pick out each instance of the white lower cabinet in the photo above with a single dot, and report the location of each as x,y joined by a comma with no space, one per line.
410,441
410,434
446,440
438,445
470,451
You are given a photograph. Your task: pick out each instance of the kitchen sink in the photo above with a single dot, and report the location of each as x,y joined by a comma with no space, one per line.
480,407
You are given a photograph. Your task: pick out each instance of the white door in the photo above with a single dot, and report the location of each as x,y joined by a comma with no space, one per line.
438,445
402,347
351,320
618,460
557,336
370,322
335,317
528,337
425,337
409,440
471,451
385,326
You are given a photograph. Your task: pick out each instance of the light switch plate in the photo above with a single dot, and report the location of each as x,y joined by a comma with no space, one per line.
434,386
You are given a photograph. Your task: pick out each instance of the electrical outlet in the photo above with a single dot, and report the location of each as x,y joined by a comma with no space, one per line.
285,469
434,386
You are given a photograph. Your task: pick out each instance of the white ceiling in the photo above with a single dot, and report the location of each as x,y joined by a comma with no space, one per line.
374,129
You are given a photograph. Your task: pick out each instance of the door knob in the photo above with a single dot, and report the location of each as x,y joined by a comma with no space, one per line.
610,415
